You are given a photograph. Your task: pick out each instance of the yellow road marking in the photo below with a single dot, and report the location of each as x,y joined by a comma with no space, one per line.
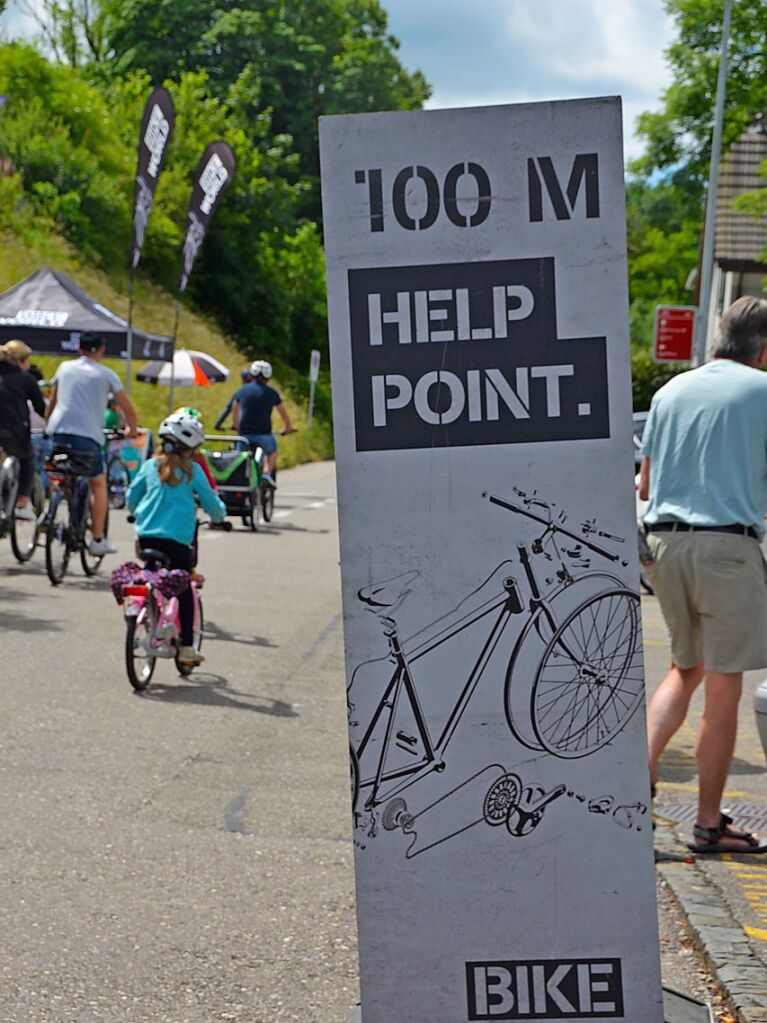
759,933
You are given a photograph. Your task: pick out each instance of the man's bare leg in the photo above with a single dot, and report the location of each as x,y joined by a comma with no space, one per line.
715,744
668,709
98,504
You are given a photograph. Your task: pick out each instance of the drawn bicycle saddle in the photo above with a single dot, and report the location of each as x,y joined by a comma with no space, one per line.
385,597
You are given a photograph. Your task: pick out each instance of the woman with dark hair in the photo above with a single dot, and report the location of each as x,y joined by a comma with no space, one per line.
17,387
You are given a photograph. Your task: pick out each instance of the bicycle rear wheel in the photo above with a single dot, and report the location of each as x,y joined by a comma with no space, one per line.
57,537
590,680
139,661
91,562
251,511
118,481
24,531
199,625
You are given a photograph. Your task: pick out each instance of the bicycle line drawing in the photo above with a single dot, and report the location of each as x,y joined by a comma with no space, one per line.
580,631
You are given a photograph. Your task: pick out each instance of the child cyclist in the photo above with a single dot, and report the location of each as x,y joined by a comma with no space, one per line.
162,498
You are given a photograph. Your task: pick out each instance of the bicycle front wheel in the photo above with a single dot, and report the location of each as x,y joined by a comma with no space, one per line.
590,680
57,538
139,660
24,531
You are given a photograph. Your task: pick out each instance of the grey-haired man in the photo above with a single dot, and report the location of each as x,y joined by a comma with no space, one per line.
705,472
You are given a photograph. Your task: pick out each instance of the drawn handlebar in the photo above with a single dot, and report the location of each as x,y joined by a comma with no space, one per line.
553,526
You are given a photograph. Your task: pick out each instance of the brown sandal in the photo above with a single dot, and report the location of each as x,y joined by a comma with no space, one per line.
710,840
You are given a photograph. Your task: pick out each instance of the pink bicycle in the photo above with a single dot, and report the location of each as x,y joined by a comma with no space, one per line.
153,627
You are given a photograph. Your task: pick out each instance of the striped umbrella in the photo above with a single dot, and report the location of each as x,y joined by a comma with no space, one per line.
188,368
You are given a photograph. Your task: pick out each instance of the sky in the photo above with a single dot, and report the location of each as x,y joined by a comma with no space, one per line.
513,51
476,52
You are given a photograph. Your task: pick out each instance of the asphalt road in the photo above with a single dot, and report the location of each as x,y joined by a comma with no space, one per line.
184,856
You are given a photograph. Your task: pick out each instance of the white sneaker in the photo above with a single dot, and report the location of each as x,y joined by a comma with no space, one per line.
98,548
189,657
25,512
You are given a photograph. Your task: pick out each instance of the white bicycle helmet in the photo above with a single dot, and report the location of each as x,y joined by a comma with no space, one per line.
261,368
183,428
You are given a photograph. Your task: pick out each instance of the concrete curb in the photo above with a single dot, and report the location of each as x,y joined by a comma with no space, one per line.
721,941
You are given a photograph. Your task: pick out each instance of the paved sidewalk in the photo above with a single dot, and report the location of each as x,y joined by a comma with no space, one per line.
724,899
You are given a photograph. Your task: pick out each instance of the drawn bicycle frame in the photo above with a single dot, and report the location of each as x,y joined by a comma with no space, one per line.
587,684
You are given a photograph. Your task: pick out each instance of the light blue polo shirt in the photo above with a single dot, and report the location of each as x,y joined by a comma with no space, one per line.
706,438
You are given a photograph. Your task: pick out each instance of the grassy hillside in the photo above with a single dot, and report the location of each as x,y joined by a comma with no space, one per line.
153,310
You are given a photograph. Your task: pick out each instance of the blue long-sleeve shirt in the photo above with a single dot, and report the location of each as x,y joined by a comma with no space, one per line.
167,511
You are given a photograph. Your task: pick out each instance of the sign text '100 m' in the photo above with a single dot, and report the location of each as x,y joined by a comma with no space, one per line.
438,196
476,193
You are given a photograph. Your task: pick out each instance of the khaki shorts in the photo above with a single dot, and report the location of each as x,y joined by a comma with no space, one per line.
712,589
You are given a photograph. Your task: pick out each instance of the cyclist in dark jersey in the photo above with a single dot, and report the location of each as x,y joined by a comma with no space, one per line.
246,377
252,415
17,387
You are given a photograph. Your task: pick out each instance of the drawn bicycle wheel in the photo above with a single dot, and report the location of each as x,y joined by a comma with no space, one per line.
590,681
534,640
354,777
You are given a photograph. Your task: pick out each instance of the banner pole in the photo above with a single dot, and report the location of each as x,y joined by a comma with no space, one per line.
173,353
129,363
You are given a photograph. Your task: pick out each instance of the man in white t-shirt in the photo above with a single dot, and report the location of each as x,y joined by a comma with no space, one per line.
75,418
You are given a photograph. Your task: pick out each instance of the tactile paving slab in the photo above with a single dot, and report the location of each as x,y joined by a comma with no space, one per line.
747,815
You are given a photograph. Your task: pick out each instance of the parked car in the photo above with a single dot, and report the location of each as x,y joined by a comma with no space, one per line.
639,418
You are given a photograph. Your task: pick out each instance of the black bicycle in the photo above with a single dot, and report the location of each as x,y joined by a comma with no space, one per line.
21,531
67,521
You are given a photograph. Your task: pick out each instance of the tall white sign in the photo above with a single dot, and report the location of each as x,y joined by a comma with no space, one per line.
481,385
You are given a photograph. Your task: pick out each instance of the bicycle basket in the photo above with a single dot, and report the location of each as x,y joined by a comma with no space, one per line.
65,461
170,582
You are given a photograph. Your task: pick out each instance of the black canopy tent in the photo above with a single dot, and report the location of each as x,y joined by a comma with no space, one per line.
49,312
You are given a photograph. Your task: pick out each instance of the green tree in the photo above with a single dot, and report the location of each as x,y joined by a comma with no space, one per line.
71,30
58,134
289,60
679,135
70,156
663,224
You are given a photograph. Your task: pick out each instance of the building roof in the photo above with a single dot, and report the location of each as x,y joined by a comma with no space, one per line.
740,240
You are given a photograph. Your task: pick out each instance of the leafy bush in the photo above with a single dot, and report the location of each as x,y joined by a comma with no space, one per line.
648,376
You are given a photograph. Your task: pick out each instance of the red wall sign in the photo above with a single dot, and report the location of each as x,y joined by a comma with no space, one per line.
674,330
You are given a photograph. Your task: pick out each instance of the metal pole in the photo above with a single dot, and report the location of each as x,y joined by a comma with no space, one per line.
173,354
707,261
310,414
129,364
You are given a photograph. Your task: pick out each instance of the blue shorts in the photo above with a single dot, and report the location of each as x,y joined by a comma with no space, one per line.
267,441
86,446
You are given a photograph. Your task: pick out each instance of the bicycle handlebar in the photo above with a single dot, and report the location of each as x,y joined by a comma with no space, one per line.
554,527
226,436
119,435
